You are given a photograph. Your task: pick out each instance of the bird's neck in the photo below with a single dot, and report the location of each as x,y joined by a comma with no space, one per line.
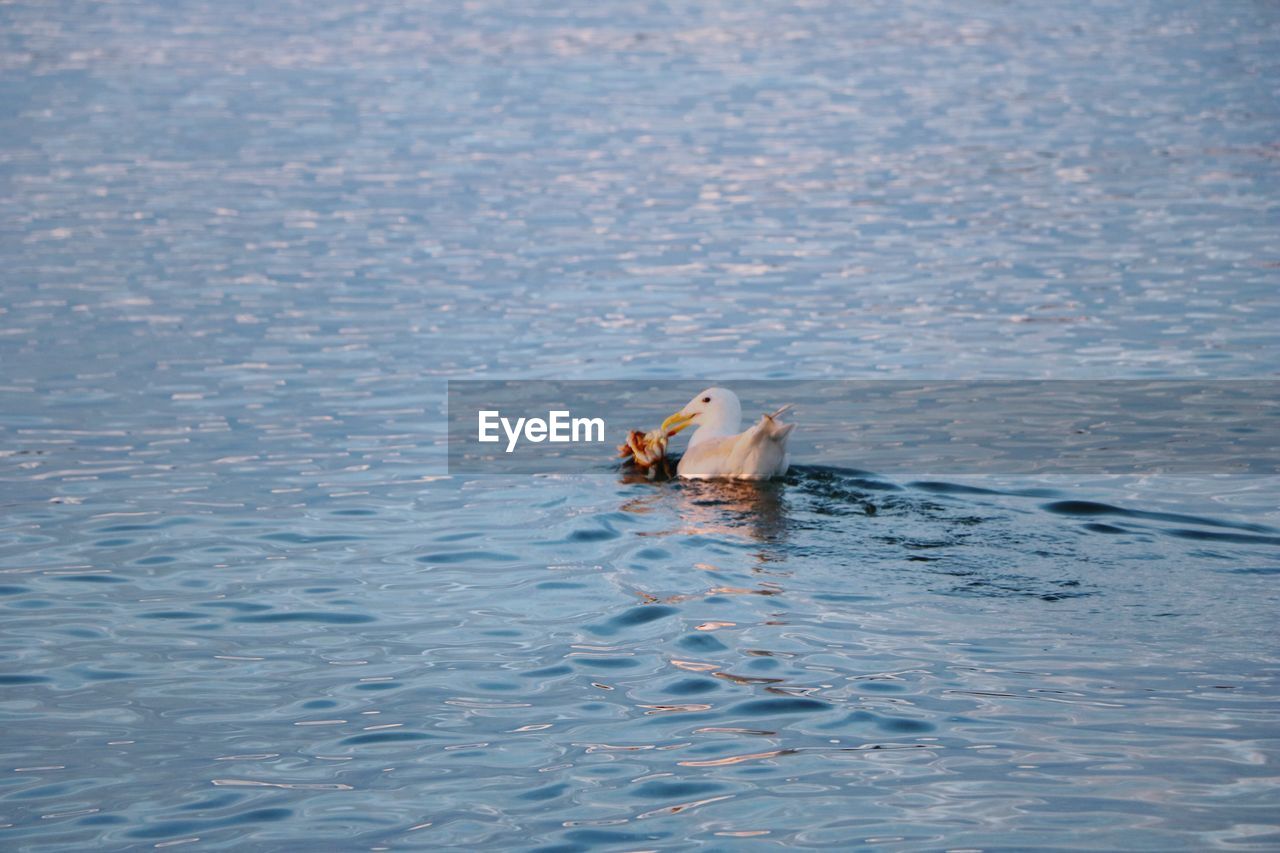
714,429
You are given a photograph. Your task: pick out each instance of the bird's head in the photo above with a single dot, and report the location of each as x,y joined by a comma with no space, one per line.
715,409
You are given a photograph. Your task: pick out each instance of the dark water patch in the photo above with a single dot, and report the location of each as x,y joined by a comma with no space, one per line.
657,789
261,815
920,543
561,585
607,662
102,820
310,539
882,722
838,480
177,828
451,557
594,534
317,616
1085,508
84,633
91,578
497,686
172,614
633,617
1005,585
939,487
13,589
238,606
457,537
105,674
158,560
548,671
1098,527
770,707
1081,508
23,679
386,737
1214,536
359,513
876,686
1259,570
701,642
692,687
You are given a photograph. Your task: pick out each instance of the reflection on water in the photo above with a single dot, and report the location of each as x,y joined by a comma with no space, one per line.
820,659
755,510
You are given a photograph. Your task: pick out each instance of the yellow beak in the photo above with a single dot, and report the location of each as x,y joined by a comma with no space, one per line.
676,422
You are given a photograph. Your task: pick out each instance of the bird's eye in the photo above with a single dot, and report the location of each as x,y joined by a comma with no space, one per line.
706,399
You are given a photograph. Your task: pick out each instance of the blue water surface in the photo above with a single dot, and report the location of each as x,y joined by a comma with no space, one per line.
245,607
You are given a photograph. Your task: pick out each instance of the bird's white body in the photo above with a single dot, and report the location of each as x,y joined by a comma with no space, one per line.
718,450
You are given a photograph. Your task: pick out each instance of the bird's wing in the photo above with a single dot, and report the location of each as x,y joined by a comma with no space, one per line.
759,451
709,458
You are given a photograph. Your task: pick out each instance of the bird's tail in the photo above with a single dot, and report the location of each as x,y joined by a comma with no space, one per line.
774,428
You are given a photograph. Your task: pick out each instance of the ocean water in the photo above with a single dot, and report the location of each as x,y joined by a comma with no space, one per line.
245,605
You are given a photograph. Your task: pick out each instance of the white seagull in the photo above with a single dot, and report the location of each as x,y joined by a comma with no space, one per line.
718,451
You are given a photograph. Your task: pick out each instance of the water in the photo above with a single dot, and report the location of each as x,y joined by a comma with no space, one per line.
246,608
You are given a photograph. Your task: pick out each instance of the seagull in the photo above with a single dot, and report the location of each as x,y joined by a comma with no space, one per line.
717,450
